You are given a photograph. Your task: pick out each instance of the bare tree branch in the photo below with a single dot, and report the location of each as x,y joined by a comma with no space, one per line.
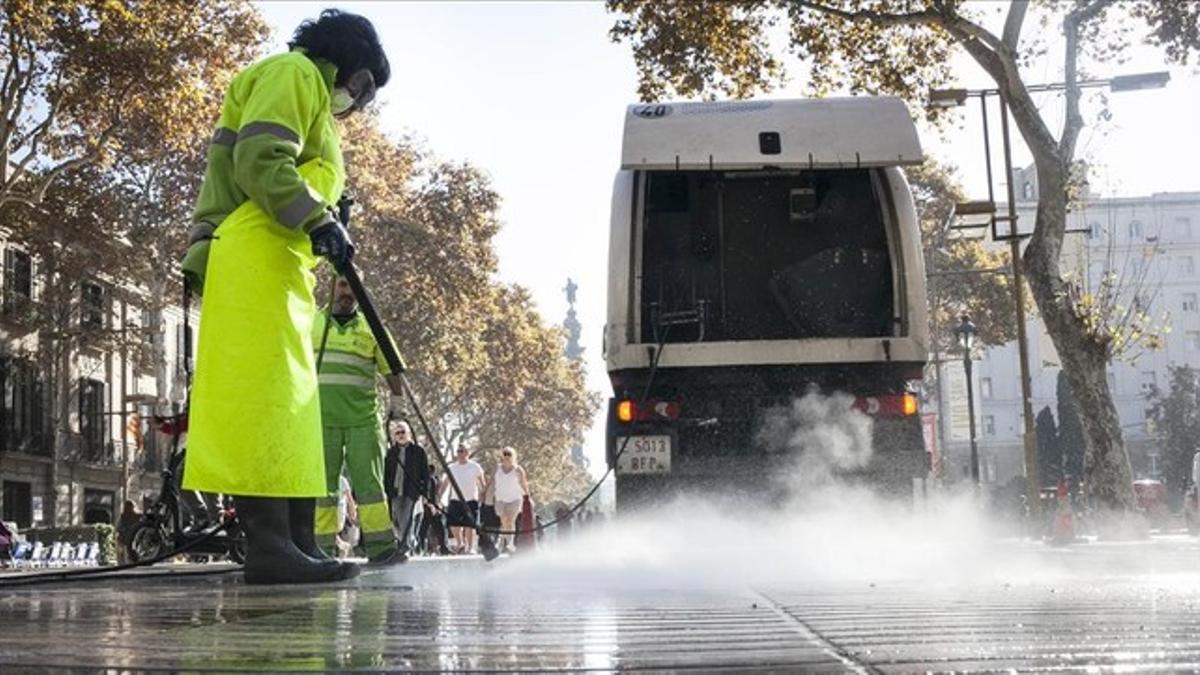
989,51
11,69
35,134
23,87
1072,24
36,195
906,19
11,72
1088,12
34,139
1012,24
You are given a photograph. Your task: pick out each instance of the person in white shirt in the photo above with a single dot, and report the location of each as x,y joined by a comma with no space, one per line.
461,516
510,488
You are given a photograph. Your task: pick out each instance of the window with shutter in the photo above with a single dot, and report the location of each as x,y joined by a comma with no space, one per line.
91,418
18,280
91,305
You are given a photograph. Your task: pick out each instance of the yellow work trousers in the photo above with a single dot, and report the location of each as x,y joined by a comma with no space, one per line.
361,451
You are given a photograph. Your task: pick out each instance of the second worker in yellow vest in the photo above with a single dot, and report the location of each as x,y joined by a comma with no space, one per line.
350,417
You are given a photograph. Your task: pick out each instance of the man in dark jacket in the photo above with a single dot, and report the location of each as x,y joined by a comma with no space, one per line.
406,480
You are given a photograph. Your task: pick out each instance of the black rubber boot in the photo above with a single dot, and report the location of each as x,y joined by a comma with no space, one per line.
272,556
395,556
302,516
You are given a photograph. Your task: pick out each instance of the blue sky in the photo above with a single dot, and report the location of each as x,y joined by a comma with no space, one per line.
534,94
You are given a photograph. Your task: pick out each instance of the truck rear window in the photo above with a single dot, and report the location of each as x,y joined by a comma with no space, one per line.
764,256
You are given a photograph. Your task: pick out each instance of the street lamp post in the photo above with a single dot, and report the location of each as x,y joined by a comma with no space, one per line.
965,333
949,98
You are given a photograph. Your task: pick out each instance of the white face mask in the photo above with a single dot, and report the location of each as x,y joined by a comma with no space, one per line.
341,101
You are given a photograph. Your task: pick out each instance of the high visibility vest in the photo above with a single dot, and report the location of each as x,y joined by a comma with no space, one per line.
275,118
265,131
347,375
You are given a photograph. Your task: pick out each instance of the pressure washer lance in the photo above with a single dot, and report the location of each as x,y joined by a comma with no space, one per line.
345,208
486,546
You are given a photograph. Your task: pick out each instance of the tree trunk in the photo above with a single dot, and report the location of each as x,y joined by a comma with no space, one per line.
1084,356
50,348
158,291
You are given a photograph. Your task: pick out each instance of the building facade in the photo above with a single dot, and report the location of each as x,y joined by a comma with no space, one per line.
1147,250
80,391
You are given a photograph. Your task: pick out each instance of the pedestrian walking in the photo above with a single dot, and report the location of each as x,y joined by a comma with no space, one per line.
462,516
127,523
263,221
350,415
563,516
510,487
8,539
406,479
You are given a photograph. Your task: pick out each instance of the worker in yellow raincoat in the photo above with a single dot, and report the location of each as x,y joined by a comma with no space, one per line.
264,219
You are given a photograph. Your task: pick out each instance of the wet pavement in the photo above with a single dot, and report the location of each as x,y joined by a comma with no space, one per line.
1129,605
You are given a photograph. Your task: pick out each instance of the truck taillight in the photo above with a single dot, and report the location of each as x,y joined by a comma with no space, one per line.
647,411
888,405
625,411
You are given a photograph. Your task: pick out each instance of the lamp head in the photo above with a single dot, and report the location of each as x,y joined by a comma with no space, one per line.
1138,81
947,98
965,332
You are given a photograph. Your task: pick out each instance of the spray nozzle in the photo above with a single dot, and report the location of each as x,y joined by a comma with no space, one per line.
487,547
344,206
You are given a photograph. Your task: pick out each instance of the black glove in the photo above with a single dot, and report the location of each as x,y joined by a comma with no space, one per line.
331,241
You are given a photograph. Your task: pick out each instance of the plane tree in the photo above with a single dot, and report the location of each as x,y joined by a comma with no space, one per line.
85,82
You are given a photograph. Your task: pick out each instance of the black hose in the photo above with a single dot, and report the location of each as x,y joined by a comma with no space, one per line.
590,493
624,443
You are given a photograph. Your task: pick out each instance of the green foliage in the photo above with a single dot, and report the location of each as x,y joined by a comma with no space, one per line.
94,81
987,298
101,533
1115,311
692,47
698,47
1176,416
897,47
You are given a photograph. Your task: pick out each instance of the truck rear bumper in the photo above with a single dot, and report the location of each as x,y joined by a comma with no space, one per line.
716,464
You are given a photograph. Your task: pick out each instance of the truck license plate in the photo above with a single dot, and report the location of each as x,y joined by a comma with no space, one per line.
645,454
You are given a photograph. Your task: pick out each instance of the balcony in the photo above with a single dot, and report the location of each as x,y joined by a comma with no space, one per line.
19,310
77,448
37,443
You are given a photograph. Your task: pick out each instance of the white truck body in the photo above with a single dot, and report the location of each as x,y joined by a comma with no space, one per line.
770,245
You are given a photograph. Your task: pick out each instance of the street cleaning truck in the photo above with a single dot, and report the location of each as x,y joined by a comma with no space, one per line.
761,251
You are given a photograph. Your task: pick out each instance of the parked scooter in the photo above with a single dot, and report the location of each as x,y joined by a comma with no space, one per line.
163,526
